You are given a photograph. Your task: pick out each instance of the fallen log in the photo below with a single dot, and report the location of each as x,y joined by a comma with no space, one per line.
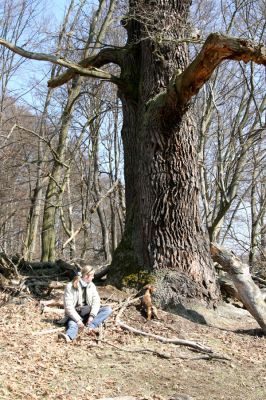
9,265
45,284
248,292
60,267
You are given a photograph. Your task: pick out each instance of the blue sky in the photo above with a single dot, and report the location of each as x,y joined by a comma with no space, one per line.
57,7
34,71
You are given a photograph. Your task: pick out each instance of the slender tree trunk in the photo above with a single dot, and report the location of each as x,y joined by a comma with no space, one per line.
105,235
262,222
54,186
121,208
263,236
254,222
163,231
114,240
67,223
97,195
33,220
35,208
114,157
258,207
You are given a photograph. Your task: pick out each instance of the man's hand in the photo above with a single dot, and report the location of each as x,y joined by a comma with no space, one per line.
90,319
80,325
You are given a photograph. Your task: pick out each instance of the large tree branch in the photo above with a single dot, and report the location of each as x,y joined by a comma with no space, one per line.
105,56
248,292
80,69
216,49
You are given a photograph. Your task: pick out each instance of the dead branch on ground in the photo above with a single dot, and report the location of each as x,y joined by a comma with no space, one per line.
167,355
189,343
162,339
48,331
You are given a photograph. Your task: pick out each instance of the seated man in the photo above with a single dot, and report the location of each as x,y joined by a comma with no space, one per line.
82,305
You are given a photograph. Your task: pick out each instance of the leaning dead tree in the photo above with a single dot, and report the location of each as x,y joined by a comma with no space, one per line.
248,292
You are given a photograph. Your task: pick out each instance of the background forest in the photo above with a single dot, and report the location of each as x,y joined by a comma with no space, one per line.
62,187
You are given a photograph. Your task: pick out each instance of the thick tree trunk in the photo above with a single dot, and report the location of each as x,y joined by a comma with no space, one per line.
248,292
163,233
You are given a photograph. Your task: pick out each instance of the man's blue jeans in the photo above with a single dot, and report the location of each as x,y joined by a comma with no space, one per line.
103,314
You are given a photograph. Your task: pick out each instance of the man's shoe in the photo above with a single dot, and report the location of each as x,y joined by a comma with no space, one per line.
65,337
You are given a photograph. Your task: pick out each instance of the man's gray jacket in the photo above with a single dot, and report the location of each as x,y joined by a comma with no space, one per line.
73,299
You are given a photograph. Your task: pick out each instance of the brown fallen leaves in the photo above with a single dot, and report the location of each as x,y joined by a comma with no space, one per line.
114,364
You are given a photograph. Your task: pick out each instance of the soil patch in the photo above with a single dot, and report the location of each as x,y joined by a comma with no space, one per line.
35,366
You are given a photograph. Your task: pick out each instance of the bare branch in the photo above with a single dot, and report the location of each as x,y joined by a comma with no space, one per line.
216,49
167,356
105,56
79,69
48,331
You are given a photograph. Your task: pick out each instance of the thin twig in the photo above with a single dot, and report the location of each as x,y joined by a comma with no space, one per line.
167,355
158,353
48,331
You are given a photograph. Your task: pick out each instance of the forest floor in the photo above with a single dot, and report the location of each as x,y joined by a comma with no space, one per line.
36,365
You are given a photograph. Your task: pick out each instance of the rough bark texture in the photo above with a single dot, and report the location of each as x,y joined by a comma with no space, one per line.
163,232
248,292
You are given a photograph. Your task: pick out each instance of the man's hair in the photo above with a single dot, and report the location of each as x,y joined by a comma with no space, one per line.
86,270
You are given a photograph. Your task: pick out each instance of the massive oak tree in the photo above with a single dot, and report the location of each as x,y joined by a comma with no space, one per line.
163,233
